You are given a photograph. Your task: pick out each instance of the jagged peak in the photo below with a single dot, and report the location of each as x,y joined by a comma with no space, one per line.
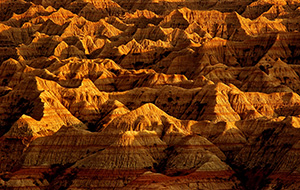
262,19
148,108
176,18
136,110
132,46
60,17
148,44
117,22
104,4
43,84
147,117
221,87
142,13
153,33
280,64
12,61
32,11
50,9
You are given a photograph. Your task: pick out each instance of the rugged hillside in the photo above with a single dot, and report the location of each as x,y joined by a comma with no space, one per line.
154,94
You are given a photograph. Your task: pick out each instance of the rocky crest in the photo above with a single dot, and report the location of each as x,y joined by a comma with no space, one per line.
154,94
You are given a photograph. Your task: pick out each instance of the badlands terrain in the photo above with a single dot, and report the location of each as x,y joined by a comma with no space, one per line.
150,94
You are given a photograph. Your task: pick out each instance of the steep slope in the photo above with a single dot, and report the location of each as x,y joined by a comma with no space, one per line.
140,148
154,94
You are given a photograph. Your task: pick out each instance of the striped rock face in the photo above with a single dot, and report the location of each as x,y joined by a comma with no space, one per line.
152,94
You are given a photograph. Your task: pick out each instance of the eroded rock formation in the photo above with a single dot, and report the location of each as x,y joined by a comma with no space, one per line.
155,94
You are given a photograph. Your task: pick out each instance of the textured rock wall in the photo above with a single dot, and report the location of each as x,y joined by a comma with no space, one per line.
149,94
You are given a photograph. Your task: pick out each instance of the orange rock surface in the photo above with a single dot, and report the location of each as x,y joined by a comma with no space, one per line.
153,94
